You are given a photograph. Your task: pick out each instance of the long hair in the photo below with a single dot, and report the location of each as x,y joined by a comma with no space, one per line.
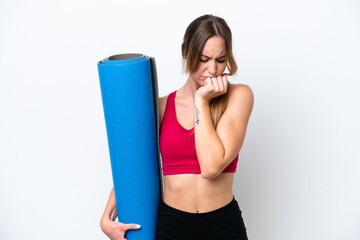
196,35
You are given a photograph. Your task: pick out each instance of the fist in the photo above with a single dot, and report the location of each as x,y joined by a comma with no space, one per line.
214,86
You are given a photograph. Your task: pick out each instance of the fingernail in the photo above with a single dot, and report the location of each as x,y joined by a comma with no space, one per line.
138,226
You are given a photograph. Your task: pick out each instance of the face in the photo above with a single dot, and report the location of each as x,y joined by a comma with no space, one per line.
212,61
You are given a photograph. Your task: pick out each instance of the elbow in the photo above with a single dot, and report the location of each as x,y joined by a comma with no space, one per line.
211,170
209,174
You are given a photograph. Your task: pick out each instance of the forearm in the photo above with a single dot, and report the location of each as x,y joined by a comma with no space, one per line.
209,148
110,211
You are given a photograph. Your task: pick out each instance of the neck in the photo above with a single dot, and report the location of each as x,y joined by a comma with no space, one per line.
189,89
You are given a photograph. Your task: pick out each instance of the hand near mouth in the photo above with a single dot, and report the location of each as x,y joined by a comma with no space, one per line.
214,86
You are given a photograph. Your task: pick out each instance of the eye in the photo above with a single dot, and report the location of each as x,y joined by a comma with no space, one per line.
205,60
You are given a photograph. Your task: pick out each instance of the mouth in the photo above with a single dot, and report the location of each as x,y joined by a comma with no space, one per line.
204,77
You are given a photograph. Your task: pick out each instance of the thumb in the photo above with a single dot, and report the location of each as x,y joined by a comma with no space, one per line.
132,226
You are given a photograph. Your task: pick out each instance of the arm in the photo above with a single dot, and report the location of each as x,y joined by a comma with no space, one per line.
110,212
113,229
216,148
209,148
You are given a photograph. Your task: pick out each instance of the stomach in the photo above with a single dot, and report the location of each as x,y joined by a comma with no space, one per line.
195,194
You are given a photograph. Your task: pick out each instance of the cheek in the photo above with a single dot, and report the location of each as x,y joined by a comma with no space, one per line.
222,67
195,75
199,71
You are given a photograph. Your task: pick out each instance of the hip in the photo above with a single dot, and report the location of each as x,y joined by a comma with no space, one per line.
223,223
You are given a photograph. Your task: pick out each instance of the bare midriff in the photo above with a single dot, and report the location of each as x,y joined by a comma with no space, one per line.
195,194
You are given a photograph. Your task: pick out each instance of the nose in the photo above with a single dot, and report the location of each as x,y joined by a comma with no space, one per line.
212,67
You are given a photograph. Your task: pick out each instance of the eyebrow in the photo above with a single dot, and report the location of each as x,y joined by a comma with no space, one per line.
210,57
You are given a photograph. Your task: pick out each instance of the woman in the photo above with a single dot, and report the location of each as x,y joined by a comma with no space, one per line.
203,127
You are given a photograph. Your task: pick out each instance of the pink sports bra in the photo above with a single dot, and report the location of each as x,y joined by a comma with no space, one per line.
177,144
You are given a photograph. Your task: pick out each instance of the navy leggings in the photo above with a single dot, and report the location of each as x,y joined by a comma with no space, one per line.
225,223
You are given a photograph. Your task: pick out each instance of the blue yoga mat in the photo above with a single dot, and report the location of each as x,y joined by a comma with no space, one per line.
129,93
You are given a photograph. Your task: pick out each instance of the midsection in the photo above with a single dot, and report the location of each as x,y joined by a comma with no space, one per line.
195,194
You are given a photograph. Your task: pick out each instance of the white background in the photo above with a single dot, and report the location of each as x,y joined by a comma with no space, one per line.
298,174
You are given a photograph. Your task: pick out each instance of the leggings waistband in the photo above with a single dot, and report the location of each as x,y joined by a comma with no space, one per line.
228,208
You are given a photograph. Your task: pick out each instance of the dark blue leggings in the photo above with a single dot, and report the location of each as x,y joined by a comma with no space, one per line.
225,223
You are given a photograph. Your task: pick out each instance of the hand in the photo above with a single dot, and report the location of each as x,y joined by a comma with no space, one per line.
214,86
116,230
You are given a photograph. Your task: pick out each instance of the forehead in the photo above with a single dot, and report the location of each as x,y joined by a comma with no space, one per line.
214,46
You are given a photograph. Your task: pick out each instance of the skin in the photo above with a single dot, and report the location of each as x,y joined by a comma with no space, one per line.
215,148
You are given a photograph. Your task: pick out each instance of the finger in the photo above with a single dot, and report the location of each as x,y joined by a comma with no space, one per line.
225,79
215,83
221,84
209,82
131,226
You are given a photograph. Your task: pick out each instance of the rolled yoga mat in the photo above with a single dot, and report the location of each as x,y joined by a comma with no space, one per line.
129,91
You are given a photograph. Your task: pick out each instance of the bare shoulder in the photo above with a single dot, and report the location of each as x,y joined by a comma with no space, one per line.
241,93
162,106
241,101
241,89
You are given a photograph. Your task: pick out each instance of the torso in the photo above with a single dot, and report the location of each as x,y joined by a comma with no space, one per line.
191,192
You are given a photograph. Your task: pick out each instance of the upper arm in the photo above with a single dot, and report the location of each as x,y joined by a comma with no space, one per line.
162,106
232,125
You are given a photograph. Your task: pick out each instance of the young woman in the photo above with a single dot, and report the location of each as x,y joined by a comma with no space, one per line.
203,126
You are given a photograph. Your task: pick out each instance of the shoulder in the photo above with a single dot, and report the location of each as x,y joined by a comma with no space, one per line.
242,91
241,94
162,106
162,100
241,101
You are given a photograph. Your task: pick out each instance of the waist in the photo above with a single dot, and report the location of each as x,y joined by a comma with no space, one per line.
192,192
229,206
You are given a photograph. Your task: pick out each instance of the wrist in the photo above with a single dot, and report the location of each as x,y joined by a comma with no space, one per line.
200,101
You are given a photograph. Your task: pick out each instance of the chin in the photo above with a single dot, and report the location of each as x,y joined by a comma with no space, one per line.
201,83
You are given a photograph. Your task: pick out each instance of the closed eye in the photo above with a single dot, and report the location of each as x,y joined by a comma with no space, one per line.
220,59
205,60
